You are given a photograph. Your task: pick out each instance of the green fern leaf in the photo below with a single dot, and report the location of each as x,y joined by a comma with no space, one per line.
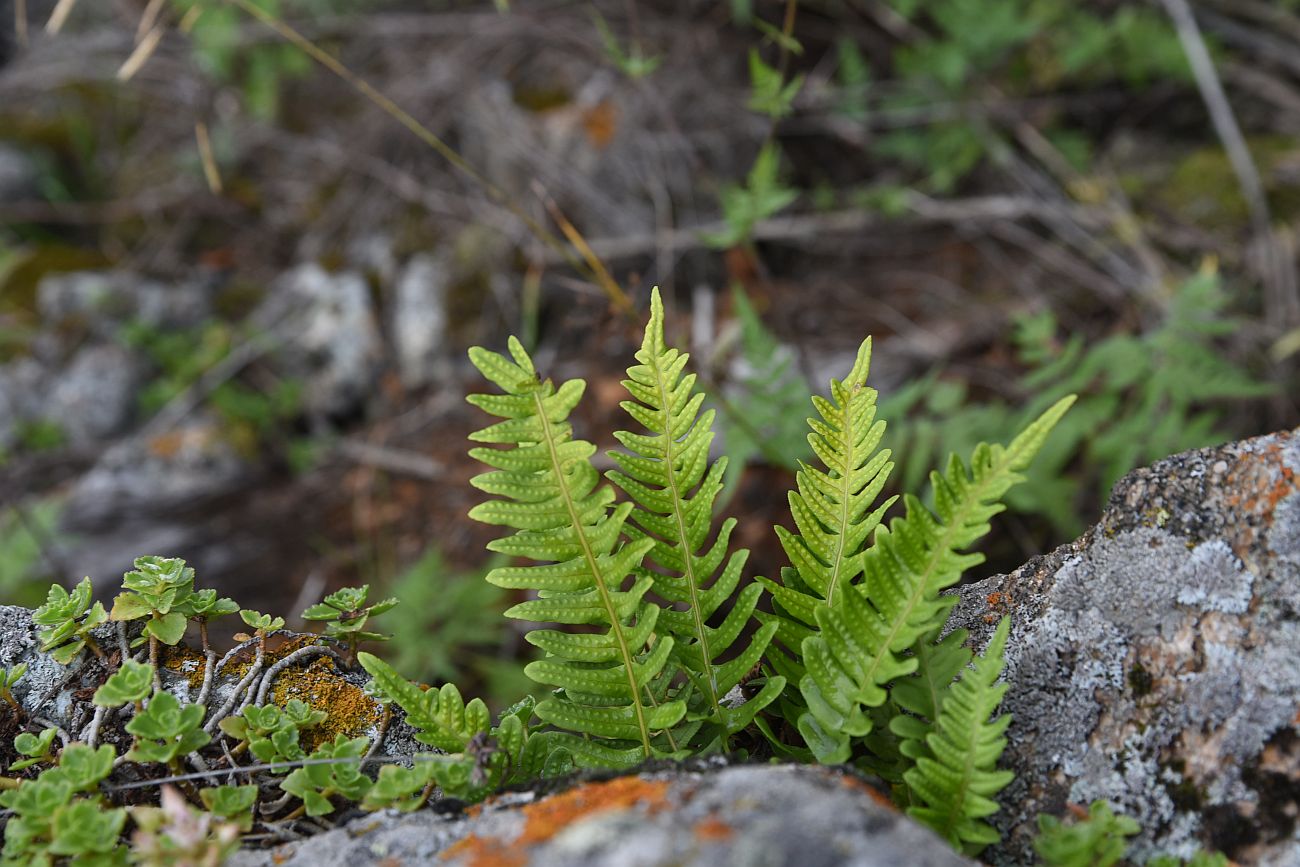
953,786
669,478
832,507
866,633
922,694
547,490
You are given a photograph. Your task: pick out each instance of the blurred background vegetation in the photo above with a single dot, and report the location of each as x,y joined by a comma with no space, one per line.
237,281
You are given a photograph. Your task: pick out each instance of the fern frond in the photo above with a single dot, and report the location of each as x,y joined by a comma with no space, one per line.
953,786
831,510
549,493
668,476
861,638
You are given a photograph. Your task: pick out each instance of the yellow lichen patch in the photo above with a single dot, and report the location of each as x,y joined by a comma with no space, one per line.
351,711
185,661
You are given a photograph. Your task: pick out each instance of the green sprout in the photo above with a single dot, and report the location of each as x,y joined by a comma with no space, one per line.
345,614
204,606
315,784
35,747
131,683
159,589
166,730
261,624
1097,841
9,677
271,733
66,620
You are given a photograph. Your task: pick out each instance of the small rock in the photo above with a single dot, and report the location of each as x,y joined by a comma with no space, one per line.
694,815
330,336
102,302
419,320
94,397
165,475
23,384
18,174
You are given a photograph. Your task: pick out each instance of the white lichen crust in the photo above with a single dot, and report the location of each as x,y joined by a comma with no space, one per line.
1155,662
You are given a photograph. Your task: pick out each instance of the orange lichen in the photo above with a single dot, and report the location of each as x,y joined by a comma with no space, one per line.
997,598
713,830
481,852
549,816
851,782
351,711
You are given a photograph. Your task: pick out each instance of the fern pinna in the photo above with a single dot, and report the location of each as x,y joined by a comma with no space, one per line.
668,476
950,738
547,489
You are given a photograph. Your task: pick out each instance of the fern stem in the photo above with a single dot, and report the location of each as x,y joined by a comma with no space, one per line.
846,494
683,537
589,555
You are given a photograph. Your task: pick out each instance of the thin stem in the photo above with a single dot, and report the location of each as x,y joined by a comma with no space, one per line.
616,628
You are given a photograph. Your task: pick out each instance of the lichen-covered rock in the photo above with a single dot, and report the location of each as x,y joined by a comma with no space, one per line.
1155,662
326,333
419,319
681,815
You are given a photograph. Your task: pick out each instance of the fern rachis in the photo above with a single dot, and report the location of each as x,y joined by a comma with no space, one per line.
667,475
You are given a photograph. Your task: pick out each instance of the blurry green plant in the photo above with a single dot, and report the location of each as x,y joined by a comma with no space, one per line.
450,627
251,415
770,93
964,49
1142,397
24,574
256,69
762,196
632,62
1099,841
762,414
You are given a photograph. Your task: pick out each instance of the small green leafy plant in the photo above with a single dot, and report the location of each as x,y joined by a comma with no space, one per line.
346,613
66,620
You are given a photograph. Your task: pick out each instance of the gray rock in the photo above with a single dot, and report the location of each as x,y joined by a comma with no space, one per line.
330,336
180,470
419,320
747,816
102,302
94,397
23,384
1153,662
18,174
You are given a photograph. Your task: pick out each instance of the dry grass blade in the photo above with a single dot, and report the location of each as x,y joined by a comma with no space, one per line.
210,171
140,56
59,16
1282,295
